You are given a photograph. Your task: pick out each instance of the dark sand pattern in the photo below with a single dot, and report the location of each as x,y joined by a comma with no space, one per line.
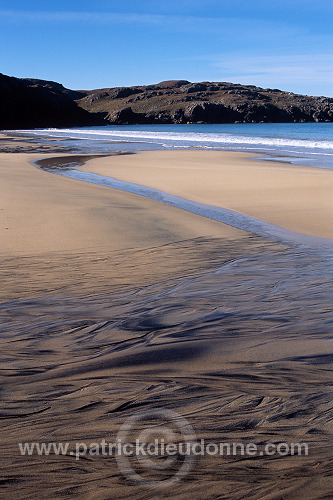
237,340
13,142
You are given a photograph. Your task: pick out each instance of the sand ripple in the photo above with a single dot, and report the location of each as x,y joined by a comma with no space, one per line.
241,348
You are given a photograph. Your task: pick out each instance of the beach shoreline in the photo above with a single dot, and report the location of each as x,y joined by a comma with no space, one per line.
112,304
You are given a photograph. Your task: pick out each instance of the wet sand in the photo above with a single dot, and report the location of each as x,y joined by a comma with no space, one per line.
112,304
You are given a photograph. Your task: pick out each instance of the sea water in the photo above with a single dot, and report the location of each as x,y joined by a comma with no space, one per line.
309,144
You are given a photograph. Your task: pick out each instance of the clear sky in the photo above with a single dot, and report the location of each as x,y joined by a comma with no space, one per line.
286,44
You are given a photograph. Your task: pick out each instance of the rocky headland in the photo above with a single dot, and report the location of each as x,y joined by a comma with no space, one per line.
32,103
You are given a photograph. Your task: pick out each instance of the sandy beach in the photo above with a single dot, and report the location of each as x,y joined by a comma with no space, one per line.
293,197
112,304
42,212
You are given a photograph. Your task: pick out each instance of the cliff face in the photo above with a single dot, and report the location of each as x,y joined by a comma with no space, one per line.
30,103
180,101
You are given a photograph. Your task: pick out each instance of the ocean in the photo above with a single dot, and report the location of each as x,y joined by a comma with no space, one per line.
309,144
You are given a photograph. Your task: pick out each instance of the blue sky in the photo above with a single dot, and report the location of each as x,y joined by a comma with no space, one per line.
287,44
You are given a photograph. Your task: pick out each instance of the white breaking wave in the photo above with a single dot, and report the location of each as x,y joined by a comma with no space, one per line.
186,138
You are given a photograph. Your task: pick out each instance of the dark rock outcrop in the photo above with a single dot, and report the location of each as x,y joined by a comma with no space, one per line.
180,101
126,116
31,103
